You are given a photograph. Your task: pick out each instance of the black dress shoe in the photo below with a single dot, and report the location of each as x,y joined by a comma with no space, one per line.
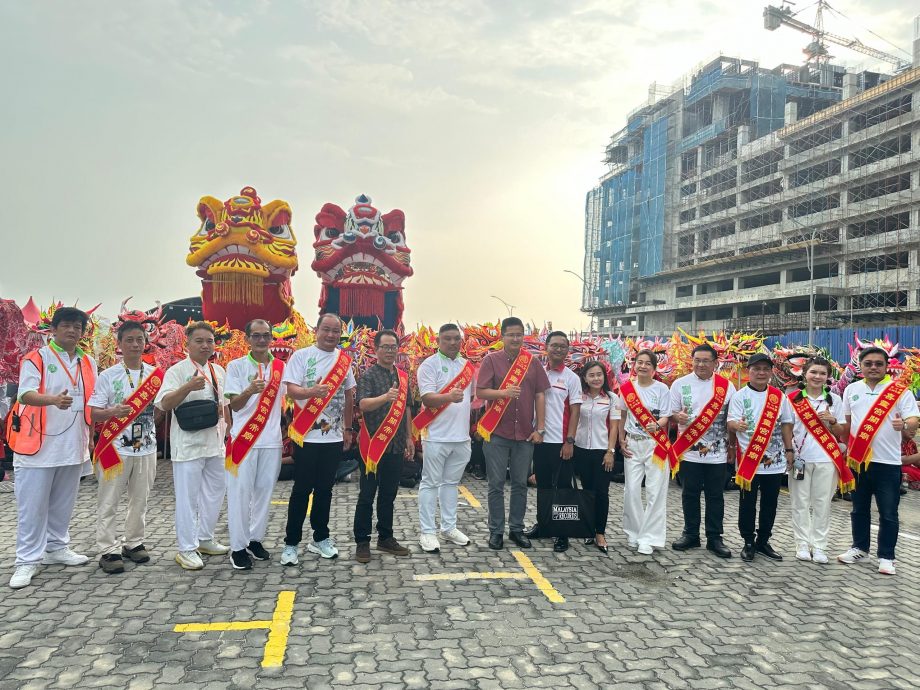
533,532
519,539
717,546
496,542
560,544
686,542
747,553
769,551
589,541
600,547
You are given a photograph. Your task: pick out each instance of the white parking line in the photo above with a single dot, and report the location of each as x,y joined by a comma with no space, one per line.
902,535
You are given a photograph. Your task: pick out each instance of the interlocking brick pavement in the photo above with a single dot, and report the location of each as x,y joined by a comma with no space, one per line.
671,620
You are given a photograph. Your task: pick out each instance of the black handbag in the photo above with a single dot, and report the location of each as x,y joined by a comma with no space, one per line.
565,512
195,415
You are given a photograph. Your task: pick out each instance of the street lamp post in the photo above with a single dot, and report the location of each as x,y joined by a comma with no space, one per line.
584,286
810,253
763,318
509,307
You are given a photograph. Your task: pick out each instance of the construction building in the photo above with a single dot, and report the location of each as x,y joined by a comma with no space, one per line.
742,196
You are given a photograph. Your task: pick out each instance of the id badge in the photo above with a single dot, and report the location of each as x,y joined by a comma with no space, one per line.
137,431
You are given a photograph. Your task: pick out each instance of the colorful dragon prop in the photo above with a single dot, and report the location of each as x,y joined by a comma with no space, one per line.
165,341
245,255
362,259
851,371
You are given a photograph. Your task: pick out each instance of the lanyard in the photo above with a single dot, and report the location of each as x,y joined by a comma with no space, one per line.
259,364
72,377
211,381
139,378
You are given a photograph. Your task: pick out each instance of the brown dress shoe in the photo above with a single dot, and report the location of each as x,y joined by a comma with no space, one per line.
363,552
390,545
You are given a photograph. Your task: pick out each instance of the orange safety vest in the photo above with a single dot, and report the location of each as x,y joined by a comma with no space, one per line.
28,439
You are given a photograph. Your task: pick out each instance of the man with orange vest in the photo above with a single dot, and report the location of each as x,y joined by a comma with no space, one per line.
49,430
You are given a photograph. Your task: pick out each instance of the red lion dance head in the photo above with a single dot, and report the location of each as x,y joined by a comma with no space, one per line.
362,260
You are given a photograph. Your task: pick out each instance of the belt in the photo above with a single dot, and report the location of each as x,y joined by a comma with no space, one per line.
639,437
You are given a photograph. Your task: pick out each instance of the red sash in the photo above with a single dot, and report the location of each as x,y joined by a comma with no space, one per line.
237,448
760,439
497,408
372,449
662,452
859,451
429,414
104,453
814,426
701,424
310,412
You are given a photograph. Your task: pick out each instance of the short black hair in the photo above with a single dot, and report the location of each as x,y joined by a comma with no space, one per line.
705,347
653,358
328,313
382,332
69,314
126,326
873,351
199,326
557,334
449,327
510,321
247,329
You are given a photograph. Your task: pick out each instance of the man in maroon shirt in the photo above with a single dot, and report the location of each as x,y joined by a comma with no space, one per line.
511,442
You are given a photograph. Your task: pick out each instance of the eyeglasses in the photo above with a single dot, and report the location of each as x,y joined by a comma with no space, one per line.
260,336
705,362
388,348
558,346
872,363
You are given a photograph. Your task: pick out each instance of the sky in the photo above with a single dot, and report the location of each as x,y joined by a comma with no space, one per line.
485,122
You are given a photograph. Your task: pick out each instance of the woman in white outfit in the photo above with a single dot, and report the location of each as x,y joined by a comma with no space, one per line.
645,525
812,494
595,439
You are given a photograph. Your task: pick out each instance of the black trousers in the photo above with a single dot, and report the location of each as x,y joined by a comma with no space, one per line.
547,461
383,484
767,485
590,467
700,478
314,472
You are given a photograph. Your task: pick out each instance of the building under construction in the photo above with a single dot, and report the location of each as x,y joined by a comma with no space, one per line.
743,195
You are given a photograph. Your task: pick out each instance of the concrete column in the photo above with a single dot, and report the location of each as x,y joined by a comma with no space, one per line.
744,135
850,85
719,106
791,113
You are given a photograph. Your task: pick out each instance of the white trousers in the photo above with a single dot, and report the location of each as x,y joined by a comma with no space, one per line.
811,503
45,497
200,485
136,477
442,468
249,495
647,524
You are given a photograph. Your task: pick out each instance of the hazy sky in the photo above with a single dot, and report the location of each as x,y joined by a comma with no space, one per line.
484,121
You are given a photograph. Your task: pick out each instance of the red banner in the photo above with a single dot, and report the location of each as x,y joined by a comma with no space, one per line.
104,454
859,451
237,448
760,439
372,449
497,408
662,452
701,424
310,412
429,414
815,427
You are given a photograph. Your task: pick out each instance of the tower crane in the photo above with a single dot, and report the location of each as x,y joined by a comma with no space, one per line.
816,51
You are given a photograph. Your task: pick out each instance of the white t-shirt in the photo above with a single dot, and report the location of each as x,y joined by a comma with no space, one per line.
804,443
306,368
453,424
747,404
204,443
65,439
858,399
240,373
564,390
113,387
690,393
657,400
593,423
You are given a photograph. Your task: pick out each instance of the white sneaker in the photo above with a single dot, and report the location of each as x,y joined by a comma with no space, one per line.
645,550
325,548
289,555
632,544
429,543
190,560
64,557
455,536
886,566
804,553
819,557
22,576
852,555
209,547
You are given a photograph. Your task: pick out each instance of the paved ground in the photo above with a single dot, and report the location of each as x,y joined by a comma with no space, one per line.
667,621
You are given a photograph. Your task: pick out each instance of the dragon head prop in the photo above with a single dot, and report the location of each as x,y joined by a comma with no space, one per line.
852,372
245,254
362,259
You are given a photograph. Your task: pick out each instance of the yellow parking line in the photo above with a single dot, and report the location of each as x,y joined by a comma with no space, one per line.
219,627
541,582
278,632
470,498
471,576
284,503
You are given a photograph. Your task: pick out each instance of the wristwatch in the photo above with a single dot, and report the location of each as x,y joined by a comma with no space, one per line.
542,432
570,439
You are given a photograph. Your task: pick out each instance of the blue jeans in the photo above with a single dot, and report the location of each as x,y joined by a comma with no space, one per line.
883,482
